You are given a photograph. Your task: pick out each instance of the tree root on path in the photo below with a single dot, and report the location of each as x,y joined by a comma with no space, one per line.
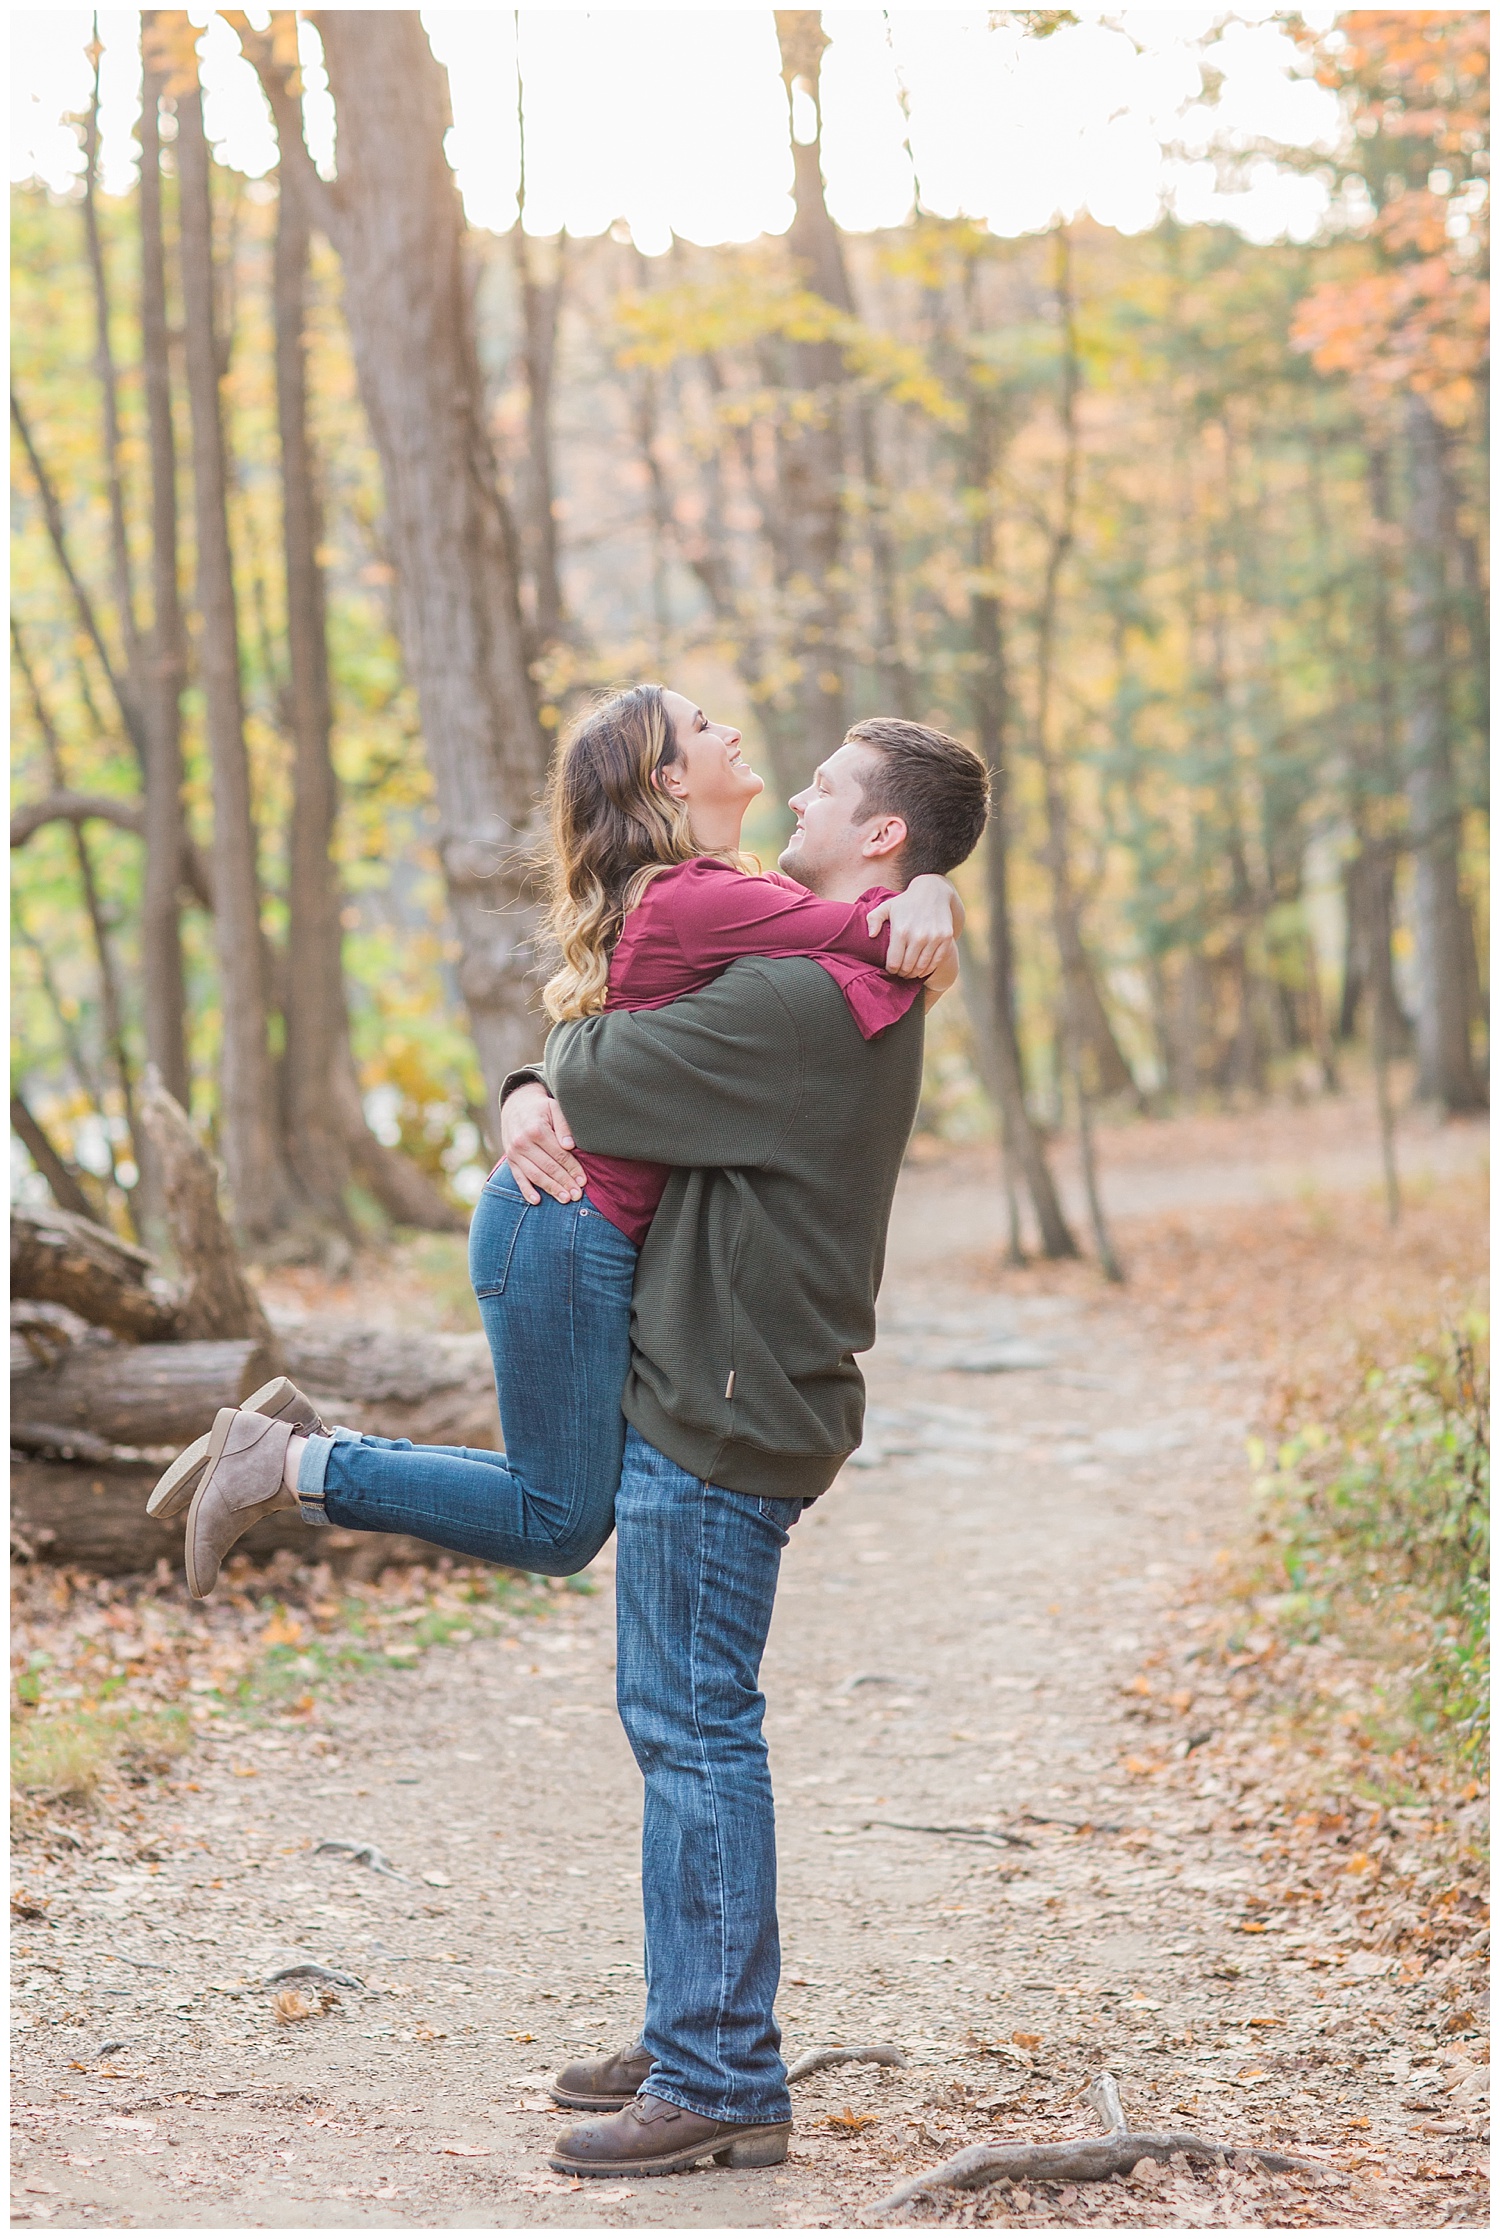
1090,2160
361,1854
835,2056
995,1837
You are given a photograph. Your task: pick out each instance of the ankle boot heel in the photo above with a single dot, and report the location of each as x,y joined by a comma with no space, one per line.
761,2152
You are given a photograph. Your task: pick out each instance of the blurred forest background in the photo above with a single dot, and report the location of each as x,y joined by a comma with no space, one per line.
329,511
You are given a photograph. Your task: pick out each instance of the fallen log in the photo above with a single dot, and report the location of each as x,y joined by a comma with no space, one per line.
1090,2160
66,1260
134,1395
77,1401
435,1390
95,1518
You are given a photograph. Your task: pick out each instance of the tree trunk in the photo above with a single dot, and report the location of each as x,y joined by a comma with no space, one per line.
396,221
1445,1068
217,1299
898,687
809,525
1020,1141
541,303
1370,881
315,1015
165,825
257,1179
104,366
1370,914
1087,1019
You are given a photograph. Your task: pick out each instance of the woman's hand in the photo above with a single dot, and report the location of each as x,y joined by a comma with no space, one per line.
924,918
946,976
535,1139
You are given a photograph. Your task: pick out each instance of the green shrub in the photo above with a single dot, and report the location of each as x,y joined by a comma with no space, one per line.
1381,1523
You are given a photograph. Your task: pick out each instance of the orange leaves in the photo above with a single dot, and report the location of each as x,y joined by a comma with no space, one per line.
850,2121
1421,325
1416,88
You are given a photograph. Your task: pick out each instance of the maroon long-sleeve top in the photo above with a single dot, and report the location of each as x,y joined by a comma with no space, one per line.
692,923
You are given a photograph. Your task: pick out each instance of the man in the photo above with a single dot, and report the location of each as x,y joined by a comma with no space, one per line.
754,1291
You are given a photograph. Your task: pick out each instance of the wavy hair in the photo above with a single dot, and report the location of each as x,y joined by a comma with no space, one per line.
613,829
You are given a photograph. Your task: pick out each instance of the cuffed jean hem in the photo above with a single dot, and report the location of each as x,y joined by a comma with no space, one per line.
312,1470
714,2114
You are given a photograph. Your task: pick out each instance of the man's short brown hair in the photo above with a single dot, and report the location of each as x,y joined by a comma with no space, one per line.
937,785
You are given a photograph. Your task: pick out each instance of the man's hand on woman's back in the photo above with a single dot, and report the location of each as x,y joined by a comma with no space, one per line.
537,1145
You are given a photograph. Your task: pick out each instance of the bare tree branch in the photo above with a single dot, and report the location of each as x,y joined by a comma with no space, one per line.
57,531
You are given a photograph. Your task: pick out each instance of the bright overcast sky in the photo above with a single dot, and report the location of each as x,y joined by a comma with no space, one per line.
675,120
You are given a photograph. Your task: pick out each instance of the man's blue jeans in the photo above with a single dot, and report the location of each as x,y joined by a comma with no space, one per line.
695,1581
553,1283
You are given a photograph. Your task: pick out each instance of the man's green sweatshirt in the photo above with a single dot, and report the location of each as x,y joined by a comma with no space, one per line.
756,1285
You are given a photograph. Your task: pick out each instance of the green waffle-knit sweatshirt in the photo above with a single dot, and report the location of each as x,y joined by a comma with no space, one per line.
756,1285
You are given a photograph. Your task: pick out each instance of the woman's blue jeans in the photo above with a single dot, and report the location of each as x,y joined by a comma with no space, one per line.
553,1283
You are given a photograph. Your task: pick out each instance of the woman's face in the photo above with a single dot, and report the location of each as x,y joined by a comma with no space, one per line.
710,776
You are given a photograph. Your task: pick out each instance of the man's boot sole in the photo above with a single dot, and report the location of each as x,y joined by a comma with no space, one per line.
753,2149
595,2104
174,1490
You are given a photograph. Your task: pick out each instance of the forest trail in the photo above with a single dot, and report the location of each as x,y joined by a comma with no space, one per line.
957,1644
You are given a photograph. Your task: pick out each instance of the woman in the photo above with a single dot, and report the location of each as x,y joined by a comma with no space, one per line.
650,900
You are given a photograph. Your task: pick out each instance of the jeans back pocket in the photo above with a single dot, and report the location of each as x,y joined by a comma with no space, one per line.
493,1235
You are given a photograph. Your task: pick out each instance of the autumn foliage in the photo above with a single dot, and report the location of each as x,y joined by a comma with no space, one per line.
1412,309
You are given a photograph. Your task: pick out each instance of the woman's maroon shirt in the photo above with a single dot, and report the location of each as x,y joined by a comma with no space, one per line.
692,923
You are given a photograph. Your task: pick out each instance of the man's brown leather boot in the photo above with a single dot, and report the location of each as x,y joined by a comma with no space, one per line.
652,2138
601,2086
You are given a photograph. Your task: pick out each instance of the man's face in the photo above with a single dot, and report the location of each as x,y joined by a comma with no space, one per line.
833,840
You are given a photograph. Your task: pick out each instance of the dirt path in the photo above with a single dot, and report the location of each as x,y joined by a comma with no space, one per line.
960,1628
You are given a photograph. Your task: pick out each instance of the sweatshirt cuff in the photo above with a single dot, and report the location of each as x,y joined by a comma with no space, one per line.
519,1078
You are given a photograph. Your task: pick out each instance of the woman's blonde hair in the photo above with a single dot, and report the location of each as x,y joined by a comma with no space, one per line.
613,829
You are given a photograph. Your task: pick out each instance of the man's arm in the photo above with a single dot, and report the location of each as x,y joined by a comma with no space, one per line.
712,1079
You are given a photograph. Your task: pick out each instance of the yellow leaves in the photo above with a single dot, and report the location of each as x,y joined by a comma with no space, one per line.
751,306
170,44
